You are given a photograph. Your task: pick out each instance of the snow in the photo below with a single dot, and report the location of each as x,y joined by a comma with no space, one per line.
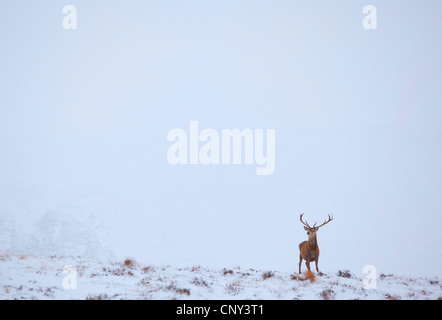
40,277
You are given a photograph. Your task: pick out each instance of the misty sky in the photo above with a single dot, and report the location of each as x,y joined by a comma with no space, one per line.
84,117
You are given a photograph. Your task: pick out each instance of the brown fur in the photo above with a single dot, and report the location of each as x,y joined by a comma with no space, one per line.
309,250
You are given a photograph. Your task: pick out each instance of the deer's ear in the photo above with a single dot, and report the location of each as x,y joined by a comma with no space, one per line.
305,228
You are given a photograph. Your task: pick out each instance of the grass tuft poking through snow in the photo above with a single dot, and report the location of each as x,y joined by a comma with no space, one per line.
308,275
267,275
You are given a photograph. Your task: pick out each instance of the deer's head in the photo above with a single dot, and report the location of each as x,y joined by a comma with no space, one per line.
311,231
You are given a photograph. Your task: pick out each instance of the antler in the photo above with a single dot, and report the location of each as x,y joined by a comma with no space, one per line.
325,222
304,223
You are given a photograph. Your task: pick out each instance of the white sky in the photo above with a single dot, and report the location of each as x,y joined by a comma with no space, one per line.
84,116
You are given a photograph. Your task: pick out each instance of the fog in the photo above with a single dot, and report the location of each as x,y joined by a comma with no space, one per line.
85,114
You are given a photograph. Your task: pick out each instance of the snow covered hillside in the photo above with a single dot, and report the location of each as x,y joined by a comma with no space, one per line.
34,277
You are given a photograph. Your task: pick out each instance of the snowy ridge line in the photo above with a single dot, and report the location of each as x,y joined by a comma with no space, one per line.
34,277
54,233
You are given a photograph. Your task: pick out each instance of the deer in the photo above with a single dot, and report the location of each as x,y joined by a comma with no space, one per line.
309,250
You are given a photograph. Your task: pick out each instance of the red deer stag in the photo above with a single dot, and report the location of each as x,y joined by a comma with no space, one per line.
309,250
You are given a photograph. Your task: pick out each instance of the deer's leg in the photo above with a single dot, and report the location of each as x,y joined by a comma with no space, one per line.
307,263
316,263
300,261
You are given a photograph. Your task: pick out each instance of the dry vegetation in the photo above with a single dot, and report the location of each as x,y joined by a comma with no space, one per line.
267,275
130,263
327,294
227,271
34,278
344,274
200,282
234,288
101,296
173,287
307,275
392,297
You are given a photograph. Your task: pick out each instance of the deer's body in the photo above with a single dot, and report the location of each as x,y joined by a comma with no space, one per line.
309,250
